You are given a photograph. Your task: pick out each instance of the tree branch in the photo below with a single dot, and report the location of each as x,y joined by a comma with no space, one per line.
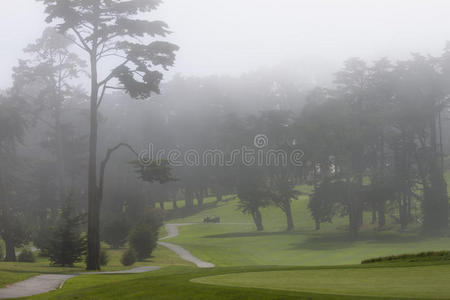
81,39
102,96
111,75
104,163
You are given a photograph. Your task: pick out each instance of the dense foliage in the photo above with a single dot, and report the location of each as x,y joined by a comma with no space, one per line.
67,244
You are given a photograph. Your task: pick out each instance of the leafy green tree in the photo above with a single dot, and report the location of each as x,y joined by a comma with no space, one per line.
103,29
254,193
323,203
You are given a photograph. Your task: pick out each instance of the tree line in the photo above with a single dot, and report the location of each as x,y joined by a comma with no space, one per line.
373,140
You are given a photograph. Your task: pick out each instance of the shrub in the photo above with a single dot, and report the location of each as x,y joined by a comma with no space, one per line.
104,257
128,257
422,256
26,256
143,238
115,232
154,218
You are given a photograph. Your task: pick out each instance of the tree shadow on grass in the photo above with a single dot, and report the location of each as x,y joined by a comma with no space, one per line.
342,240
254,234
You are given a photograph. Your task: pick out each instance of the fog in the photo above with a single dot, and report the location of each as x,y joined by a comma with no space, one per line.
316,132
236,36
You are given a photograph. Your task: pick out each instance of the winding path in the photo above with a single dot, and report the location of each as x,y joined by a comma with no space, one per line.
172,231
49,282
33,286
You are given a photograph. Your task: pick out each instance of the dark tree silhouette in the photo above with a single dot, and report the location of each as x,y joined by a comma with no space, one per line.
104,29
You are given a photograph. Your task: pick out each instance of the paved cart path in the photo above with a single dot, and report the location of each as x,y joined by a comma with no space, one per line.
172,231
49,282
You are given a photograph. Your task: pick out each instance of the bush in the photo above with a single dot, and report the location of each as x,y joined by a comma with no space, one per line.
115,233
26,256
128,257
153,217
143,238
104,257
422,256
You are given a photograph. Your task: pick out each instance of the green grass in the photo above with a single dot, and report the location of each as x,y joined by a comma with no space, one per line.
181,203
14,272
429,282
171,283
263,283
8,277
239,244
234,244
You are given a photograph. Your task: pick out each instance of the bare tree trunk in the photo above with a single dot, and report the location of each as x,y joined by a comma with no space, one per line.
374,212
403,211
188,197
10,251
436,199
354,220
317,224
289,219
200,197
381,214
93,257
257,218
60,153
5,222
174,203
218,195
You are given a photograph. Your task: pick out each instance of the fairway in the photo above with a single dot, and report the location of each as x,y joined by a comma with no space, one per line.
416,282
235,242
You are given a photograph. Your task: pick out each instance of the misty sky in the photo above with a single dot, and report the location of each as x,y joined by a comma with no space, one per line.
236,36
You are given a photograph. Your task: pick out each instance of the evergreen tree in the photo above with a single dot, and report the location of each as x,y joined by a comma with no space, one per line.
67,245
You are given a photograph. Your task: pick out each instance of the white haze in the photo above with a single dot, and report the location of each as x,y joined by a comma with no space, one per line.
236,36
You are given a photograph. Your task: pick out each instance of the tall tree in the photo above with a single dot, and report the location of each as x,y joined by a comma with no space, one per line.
104,29
12,129
45,79
254,194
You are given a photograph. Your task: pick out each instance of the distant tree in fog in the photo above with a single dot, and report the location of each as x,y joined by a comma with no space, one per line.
44,79
12,129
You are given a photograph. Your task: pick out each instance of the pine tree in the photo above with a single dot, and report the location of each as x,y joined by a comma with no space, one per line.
67,245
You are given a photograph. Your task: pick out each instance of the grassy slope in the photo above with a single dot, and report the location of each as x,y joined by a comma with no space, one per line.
179,283
239,244
415,282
